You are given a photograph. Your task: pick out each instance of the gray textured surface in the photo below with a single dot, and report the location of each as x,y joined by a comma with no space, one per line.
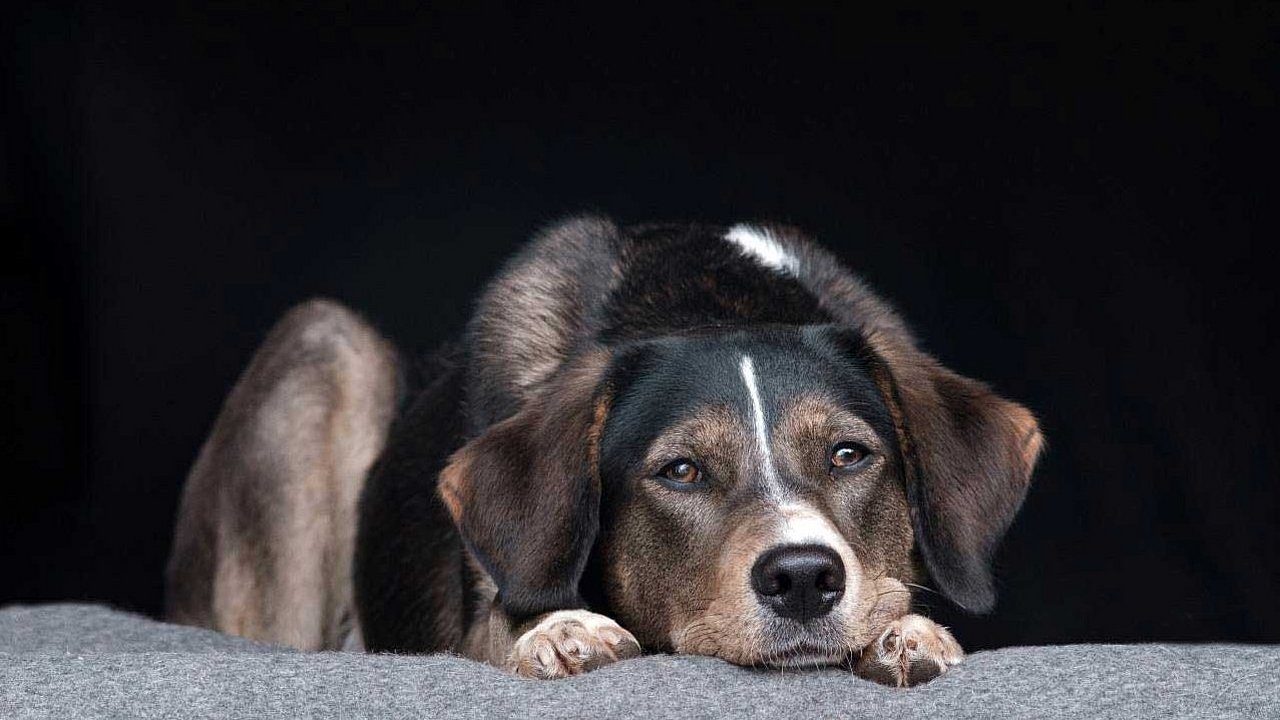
84,661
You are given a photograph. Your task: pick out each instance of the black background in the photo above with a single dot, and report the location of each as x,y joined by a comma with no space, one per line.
1074,205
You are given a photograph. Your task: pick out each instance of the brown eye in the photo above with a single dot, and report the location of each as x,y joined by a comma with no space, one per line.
848,454
681,471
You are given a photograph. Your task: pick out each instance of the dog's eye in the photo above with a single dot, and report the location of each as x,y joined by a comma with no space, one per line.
681,471
847,454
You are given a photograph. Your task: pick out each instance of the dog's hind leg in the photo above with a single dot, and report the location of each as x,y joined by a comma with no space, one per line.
266,525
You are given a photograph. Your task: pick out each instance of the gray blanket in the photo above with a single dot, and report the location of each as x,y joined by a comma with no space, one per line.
85,661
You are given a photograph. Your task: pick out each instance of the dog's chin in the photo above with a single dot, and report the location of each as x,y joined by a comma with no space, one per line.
785,655
770,642
805,656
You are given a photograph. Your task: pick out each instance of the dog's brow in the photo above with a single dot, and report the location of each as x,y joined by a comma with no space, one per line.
773,482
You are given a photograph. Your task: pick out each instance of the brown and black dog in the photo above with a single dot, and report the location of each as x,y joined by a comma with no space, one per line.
679,438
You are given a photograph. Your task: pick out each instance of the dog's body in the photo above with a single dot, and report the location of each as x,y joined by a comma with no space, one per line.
682,438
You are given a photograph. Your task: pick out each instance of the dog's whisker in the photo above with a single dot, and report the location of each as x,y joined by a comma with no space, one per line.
922,587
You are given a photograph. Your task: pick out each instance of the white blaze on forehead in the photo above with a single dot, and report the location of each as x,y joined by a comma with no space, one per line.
764,247
748,369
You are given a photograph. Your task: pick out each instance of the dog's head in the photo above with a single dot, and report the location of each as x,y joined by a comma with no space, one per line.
758,495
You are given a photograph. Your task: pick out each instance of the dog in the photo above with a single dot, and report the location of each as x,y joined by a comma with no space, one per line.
661,438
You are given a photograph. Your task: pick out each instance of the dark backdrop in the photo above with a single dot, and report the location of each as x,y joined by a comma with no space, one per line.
1074,205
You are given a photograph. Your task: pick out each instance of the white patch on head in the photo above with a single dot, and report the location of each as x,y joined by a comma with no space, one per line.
772,481
764,247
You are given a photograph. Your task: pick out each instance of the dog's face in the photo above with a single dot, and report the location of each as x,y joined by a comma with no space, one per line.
753,500
759,495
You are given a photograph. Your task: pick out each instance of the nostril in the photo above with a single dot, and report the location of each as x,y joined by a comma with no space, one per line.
832,579
771,583
782,582
826,582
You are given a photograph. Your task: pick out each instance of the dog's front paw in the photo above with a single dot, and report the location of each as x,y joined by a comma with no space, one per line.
570,642
913,649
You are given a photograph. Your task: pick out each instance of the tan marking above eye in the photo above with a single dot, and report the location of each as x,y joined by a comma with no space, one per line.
681,471
847,454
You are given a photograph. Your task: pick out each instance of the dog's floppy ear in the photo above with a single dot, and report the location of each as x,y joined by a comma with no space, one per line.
526,493
969,454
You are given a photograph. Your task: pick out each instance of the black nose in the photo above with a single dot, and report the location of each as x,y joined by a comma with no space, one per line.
800,582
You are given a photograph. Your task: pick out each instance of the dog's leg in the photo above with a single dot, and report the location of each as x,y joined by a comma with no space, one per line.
913,649
267,520
559,644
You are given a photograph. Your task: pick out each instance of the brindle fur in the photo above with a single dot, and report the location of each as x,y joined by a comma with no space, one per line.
598,353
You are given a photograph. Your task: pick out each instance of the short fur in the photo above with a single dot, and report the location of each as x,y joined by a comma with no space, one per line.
266,525
518,513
